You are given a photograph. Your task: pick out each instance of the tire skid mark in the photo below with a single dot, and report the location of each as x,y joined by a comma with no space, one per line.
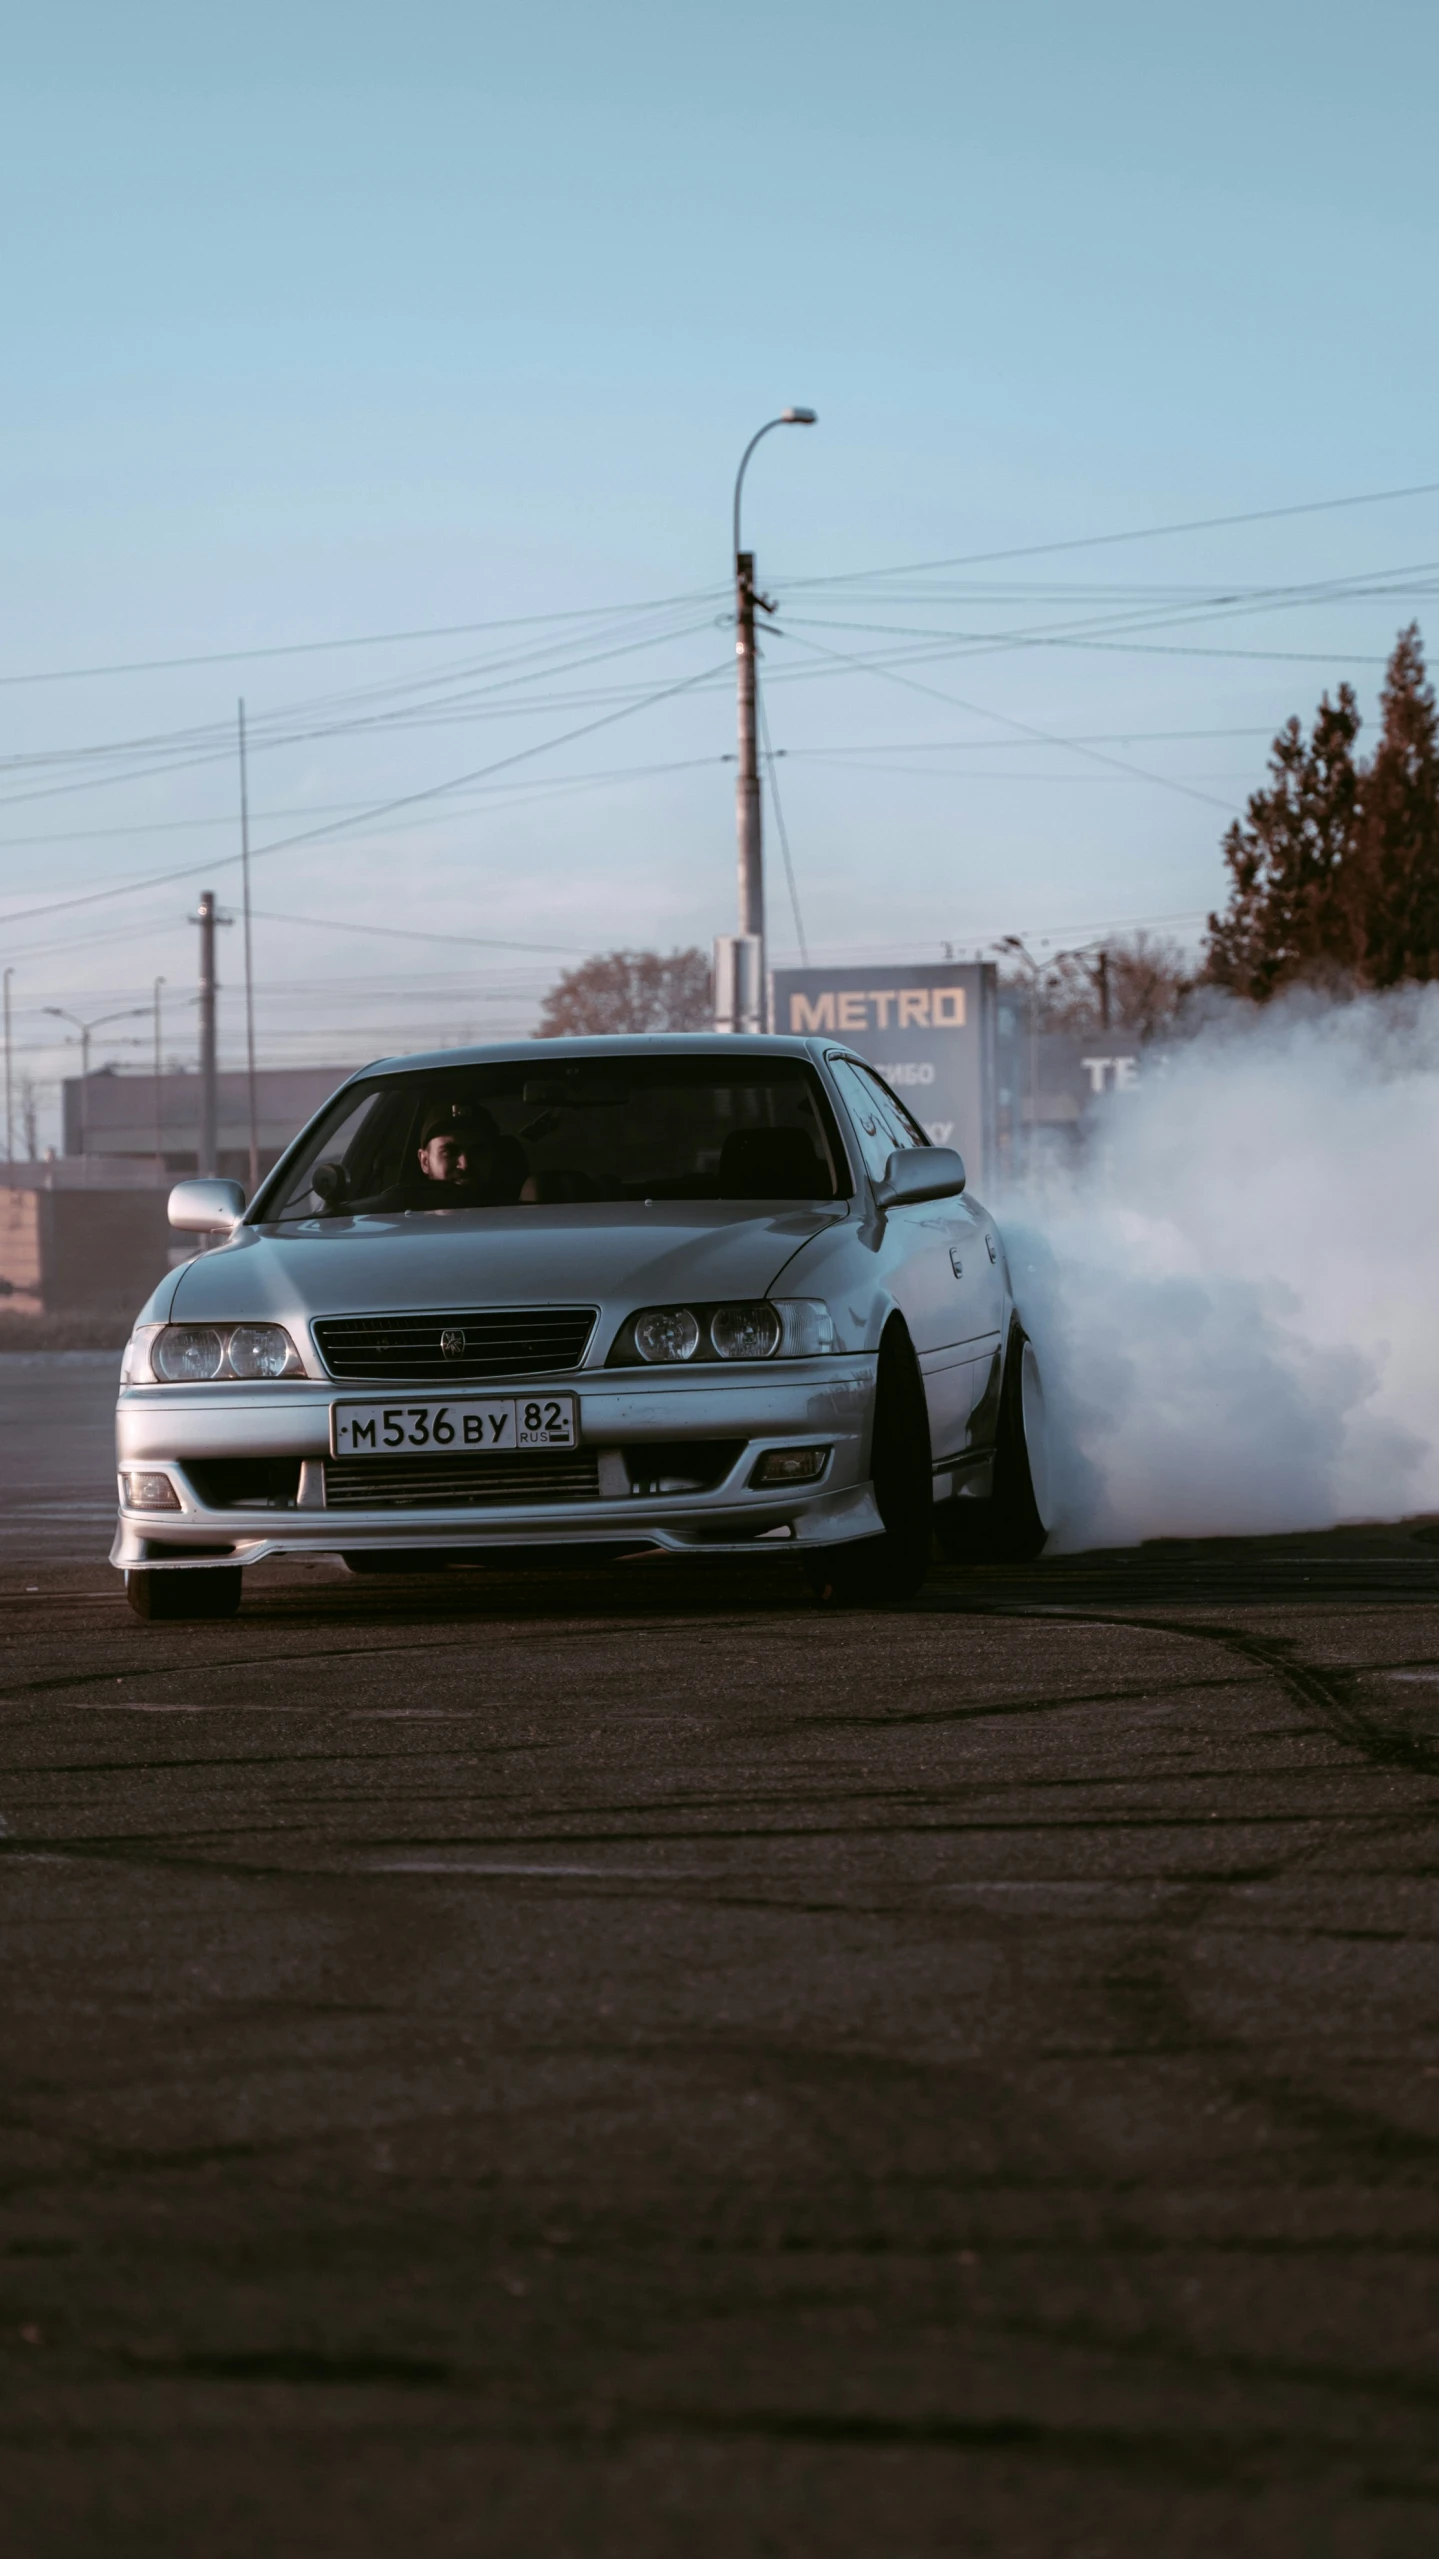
1152,1996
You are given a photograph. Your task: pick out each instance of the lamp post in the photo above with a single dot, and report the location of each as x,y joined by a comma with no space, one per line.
749,997
159,1089
131,1013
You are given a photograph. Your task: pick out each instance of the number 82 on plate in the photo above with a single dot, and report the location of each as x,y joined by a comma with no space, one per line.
465,1427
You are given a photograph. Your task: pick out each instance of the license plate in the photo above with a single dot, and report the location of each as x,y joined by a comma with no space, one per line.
467,1426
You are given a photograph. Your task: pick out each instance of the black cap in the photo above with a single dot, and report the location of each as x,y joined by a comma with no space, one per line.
457,1119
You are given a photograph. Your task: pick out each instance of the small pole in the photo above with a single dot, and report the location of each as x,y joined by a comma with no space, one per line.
9,1085
249,966
209,1133
84,1101
1104,990
159,1089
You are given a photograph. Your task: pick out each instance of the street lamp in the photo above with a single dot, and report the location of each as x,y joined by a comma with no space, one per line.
131,1013
748,1001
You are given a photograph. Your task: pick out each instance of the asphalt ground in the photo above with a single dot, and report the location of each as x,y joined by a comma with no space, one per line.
628,2062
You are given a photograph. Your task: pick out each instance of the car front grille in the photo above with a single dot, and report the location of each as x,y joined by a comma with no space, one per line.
483,1341
436,1483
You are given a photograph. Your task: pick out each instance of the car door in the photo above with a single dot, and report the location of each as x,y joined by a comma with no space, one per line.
934,1259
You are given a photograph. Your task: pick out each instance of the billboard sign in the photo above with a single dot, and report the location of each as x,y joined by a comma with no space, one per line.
930,1030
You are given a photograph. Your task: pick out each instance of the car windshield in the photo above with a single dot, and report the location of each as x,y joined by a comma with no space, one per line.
526,1132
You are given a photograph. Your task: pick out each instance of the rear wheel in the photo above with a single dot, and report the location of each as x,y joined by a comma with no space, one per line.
875,1570
169,1597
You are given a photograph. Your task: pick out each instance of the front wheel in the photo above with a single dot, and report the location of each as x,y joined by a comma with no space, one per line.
875,1570
209,1592
1011,1527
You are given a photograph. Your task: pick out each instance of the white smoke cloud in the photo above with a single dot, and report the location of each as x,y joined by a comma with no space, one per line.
1233,1299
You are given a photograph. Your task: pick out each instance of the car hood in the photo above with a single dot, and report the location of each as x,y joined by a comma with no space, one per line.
617,1257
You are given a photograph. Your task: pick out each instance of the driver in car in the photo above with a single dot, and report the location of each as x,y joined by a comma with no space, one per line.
462,1162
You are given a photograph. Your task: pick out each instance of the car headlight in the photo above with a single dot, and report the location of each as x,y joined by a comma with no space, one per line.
667,1332
746,1332
746,1329
192,1354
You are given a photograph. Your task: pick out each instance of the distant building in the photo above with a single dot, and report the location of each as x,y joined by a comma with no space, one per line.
1050,1084
114,1116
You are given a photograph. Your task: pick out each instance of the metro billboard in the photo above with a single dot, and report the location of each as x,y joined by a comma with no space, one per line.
930,1030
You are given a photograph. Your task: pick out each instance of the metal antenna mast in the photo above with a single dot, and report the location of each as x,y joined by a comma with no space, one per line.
249,966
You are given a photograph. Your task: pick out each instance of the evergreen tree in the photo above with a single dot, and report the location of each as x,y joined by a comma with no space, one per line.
1291,862
1395,894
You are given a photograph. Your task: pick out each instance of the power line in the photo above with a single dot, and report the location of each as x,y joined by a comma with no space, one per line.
1142,533
382,808
1023,728
779,820
364,640
408,933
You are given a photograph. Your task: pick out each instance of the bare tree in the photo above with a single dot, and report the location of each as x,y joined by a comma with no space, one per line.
631,991
1148,980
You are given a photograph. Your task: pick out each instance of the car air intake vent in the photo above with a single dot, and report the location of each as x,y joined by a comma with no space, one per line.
434,1483
448,1346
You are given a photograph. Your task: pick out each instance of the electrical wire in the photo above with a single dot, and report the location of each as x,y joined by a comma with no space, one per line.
779,821
362,640
1141,533
383,808
1023,728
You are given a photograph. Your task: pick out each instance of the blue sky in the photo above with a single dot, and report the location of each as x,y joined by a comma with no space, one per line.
327,322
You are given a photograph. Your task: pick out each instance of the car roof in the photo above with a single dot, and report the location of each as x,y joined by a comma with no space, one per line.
612,1046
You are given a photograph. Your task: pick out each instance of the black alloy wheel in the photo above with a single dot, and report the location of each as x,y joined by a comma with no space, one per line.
1009,1528
209,1591
876,1570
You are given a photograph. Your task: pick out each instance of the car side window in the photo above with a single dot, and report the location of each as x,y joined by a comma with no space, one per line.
342,1144
907,1131
870,1123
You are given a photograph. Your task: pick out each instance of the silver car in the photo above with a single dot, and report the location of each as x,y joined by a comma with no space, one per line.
711,1296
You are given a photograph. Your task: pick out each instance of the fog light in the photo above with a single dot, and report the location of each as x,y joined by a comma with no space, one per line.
140,1491
791,1466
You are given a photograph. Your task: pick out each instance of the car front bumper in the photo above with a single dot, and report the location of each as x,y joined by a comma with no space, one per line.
797,1403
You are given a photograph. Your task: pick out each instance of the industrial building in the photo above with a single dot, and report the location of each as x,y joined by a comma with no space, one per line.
112,1116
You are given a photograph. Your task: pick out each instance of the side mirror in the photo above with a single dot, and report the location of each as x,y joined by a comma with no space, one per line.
206,1208
916,1173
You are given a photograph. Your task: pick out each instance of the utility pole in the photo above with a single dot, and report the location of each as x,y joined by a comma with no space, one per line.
249,968
207,1158
159,1086
744,967
1103,971
749,814
9,1085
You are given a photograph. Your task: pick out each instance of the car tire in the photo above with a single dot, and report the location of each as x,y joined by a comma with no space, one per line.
1013,1525
169,1598
877,1570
